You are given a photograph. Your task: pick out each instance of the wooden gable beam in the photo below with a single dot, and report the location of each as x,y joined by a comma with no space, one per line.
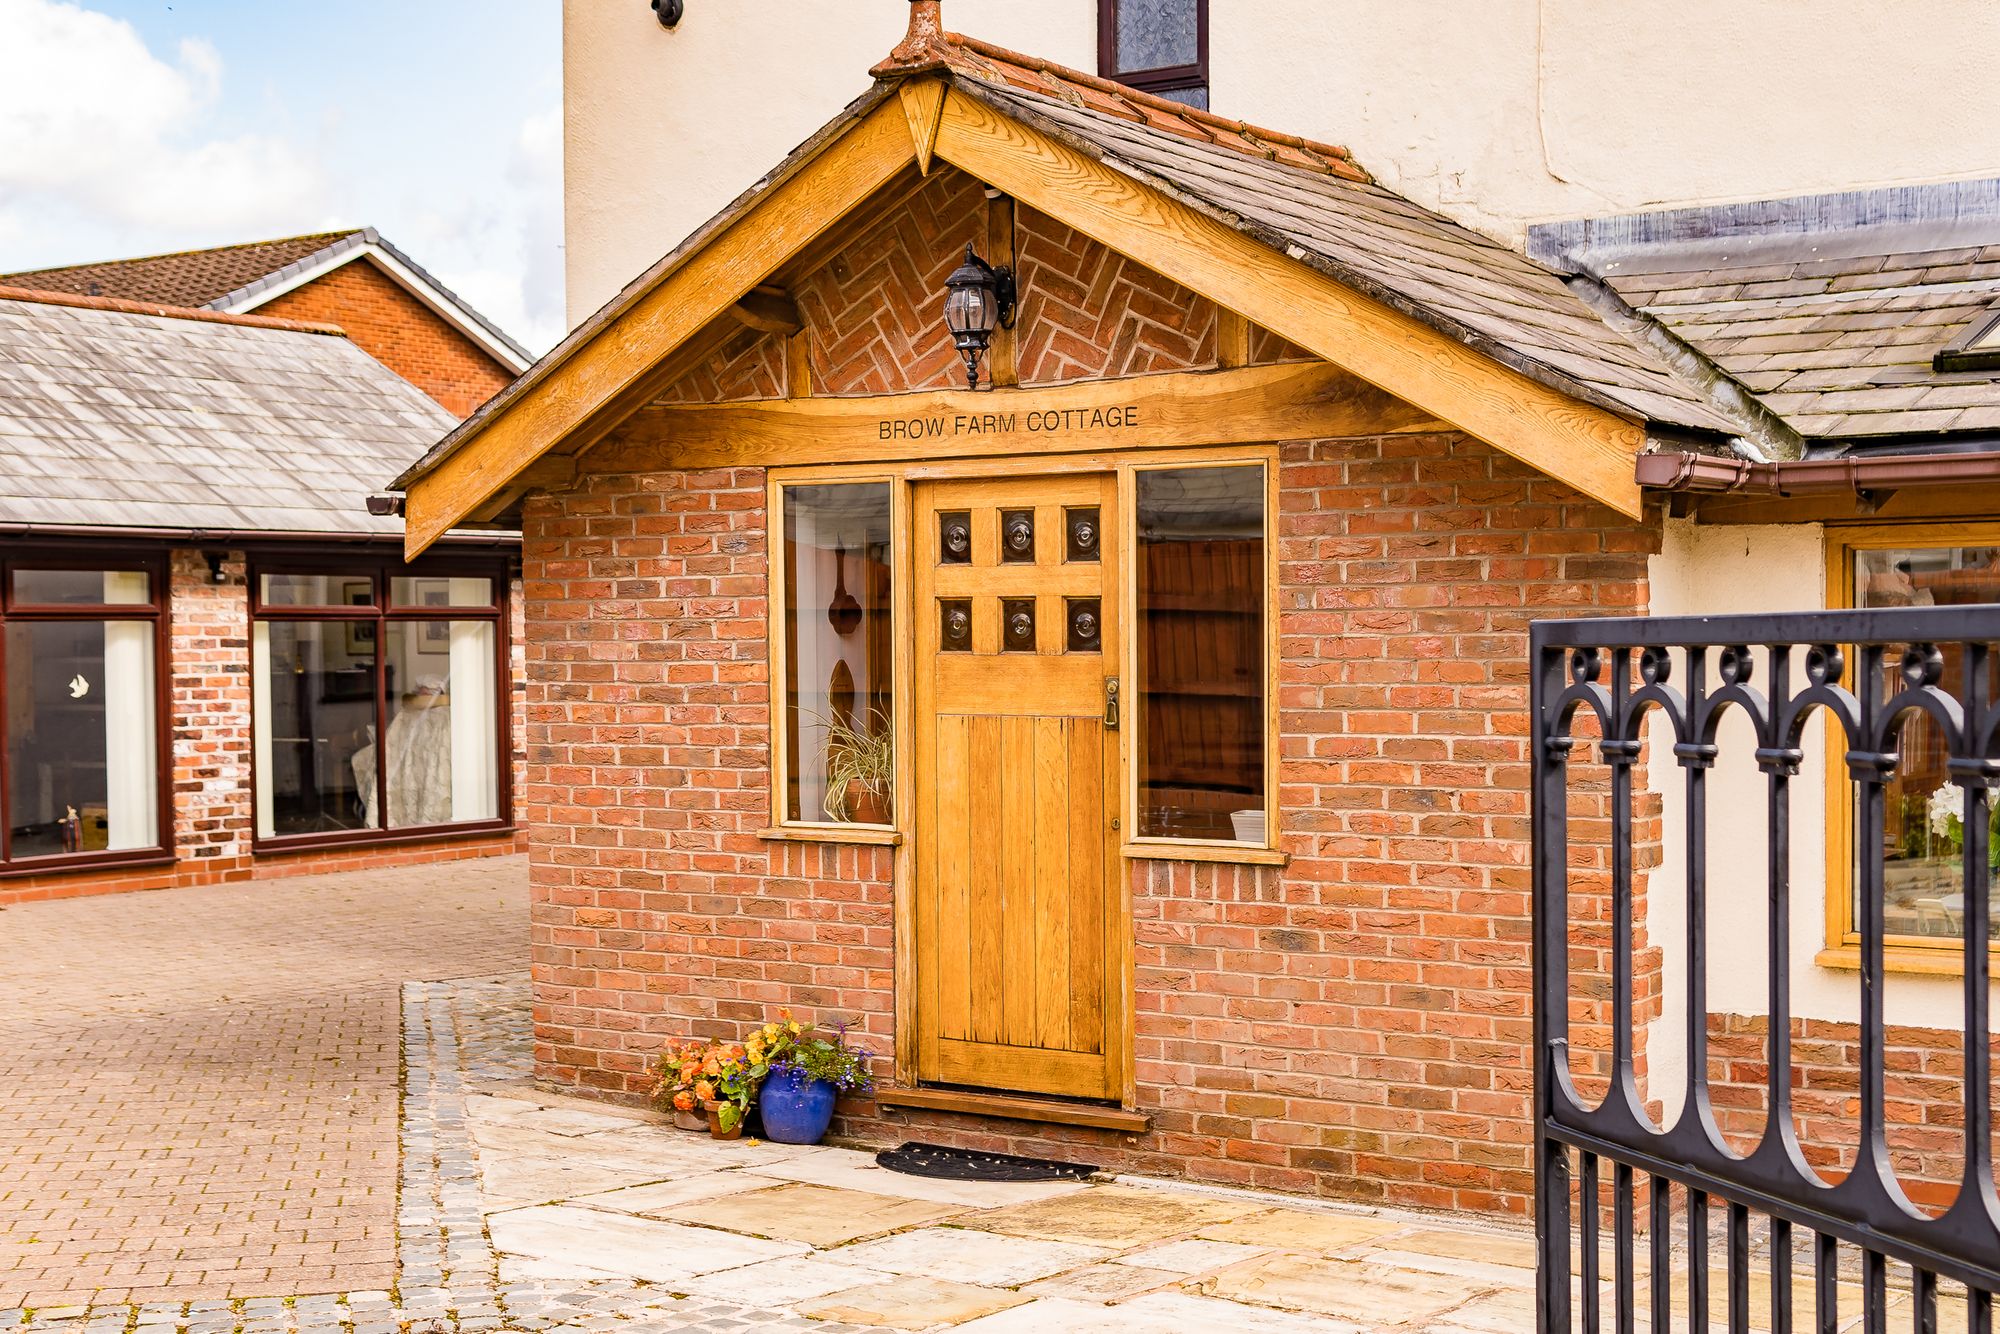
1574,442
605,378
1292,401
923,107
769,310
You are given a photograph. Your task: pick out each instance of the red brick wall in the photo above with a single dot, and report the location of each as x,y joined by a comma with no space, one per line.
399,331
212,800
1924,1097
1356,1024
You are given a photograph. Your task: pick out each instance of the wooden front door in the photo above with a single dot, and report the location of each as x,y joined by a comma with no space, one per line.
1019,893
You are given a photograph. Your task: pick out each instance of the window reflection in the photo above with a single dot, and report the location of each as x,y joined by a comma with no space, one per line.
1200,551
838,627
1923,835
81,736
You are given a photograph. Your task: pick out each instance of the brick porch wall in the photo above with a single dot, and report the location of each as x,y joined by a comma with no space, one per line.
399,331
1355,1025
213,804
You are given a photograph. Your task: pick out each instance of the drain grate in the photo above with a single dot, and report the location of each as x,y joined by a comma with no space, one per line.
934,1160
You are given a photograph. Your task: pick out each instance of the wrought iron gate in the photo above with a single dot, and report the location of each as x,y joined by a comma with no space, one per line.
1785,673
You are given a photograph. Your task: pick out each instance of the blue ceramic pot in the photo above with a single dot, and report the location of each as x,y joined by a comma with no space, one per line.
795,1110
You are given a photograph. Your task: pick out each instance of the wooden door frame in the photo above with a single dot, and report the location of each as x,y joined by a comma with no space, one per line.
902,475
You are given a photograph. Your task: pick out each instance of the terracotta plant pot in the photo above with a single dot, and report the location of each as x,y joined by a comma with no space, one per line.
689,1120
867,805
715,1129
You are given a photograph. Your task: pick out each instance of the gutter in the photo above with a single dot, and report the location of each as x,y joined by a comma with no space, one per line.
1712,475
237,537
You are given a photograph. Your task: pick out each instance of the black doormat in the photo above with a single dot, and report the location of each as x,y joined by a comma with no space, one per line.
934,1160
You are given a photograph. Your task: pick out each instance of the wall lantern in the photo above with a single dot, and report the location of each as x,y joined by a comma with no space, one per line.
978,298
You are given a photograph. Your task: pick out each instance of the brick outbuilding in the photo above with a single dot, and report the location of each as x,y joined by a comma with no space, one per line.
1132,747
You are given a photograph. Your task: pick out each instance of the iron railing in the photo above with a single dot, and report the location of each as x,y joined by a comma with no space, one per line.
1785,674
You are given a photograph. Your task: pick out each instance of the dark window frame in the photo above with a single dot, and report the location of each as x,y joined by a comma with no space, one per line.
379,570
1161,81
155,610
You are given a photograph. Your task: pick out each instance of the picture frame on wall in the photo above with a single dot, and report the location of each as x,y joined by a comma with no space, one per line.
435,637
360,634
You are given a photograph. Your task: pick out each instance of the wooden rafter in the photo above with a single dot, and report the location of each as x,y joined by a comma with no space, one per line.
923,106
606,379
1584,446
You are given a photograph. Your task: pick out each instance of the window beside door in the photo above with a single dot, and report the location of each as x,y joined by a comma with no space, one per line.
81,655
1201,645
377,700
835,648
1156,46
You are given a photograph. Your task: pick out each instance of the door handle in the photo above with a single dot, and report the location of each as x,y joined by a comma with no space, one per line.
1111,704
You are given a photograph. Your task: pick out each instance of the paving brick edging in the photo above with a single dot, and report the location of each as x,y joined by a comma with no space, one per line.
449,1279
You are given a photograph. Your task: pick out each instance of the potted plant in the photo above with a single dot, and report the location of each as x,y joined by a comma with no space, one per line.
804,1080
679,1073
728,1087
860,766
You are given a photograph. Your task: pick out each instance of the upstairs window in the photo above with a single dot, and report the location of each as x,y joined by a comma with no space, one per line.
1156,46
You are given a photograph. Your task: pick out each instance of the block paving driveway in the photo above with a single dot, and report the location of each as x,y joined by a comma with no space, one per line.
200,1085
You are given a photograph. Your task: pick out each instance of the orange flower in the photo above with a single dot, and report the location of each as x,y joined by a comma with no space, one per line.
705,1091
684,1101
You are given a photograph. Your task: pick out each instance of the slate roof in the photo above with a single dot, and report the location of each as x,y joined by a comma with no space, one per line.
1429,267
1839,345
186,278
112,415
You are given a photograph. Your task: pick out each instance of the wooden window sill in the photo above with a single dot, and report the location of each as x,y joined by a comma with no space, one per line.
1919,960
808,833
1241,854
1016,1108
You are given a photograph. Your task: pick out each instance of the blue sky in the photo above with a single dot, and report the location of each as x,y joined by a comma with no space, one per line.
141,126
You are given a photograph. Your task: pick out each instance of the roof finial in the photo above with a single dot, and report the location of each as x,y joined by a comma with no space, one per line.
923,45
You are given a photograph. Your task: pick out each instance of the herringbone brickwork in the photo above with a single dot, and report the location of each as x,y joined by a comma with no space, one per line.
1088,312
748,365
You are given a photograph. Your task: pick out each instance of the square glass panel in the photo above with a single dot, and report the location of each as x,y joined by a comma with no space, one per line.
1086,625
87,588
316,590
440,591
82,733
839,633
1923,827
315,705
1201,627
443,740
1155,34
1017,537
955,625
955,538
1082,534
1017,625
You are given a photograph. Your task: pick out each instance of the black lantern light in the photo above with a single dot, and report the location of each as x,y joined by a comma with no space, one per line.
978,299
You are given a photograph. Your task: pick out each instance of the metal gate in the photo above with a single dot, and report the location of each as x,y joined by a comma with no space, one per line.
1608,1166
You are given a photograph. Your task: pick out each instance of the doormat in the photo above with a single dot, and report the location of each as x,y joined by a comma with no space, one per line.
934,1160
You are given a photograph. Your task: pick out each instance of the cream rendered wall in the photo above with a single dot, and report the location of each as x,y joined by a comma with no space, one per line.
1500,112
1720,570
662,129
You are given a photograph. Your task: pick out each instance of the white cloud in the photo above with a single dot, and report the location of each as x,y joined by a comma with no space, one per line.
93,125
503,252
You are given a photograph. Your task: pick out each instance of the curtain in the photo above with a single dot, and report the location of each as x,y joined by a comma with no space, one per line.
131,770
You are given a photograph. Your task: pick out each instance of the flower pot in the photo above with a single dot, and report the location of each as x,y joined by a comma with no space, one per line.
796,1110
715,1129
867,805
689,1120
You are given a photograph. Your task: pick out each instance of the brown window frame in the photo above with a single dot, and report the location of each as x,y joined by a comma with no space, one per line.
1161,81
380,570
155,610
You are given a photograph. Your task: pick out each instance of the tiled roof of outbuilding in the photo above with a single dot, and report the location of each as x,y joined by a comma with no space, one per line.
118,416
185,278
1841,346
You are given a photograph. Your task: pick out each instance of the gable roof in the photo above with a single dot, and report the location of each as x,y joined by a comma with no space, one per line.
121,415
240,278
1556,380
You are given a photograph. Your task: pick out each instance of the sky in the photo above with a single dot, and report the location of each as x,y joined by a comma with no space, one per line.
138,127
